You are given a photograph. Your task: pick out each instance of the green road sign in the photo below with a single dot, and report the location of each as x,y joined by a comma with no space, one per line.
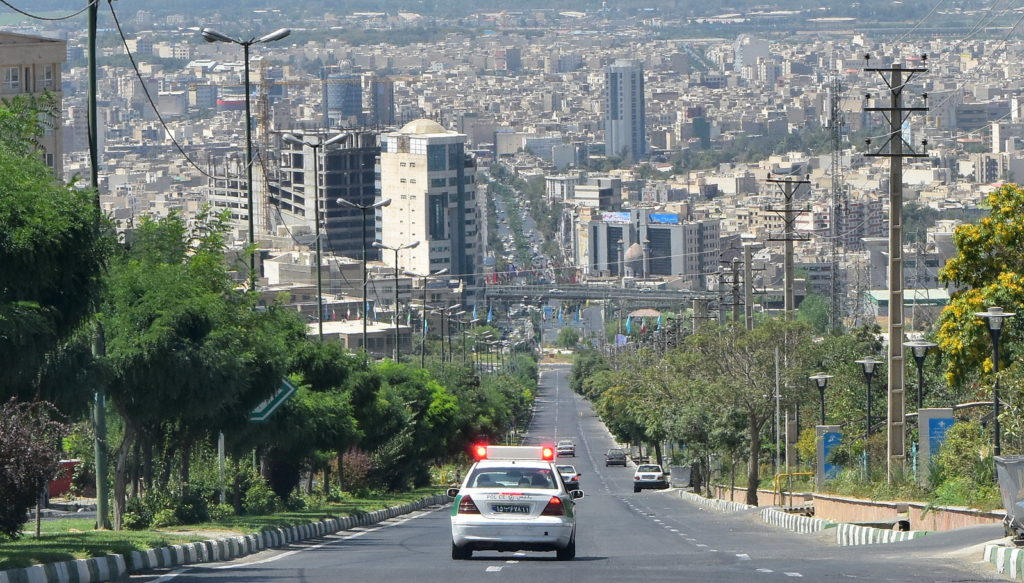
264,409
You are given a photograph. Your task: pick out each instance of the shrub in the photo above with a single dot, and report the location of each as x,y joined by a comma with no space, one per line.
356,466
137,515
28,459
191,508
260,499
165,517
220,512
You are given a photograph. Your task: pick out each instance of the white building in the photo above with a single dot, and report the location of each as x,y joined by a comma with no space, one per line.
431,181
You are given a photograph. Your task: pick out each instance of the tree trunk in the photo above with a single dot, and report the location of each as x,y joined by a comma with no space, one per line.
147,464
753,469
327,478
165,472
121,475
732,475
657,453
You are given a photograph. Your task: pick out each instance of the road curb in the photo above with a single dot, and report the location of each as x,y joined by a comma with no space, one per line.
112,567
1008,560
715,503
848,535
795,522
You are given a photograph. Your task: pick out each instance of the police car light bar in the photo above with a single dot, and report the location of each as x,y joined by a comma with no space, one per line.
514,452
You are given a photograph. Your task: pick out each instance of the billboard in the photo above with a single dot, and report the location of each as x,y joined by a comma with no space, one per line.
664,218
616,217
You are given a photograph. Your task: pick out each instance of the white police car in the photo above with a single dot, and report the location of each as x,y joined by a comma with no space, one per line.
513,499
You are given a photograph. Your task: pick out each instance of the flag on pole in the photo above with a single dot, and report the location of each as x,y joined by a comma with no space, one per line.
408,318
475,316
659,322
643,326
579,314
561,316
490,314
426,326
629,324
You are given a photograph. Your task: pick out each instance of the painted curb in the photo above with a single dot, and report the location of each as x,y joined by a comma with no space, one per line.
714,503
795,522
112,567
1008,560
853,535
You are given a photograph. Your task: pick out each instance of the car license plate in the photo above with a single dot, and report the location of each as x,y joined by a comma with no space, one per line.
510,508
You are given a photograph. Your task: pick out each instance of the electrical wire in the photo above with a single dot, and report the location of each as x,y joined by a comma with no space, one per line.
37,17
152,103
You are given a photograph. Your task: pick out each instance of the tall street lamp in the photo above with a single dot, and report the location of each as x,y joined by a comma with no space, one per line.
995,316
320,143
212,36
920,350
821,380
412,245
868,366
446,314
365,208
423,327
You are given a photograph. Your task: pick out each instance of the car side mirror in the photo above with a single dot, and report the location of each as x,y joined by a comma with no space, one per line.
453,492
576,494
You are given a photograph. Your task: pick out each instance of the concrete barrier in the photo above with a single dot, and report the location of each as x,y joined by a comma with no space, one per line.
852,535
113,567
795,522
716,504
1008,560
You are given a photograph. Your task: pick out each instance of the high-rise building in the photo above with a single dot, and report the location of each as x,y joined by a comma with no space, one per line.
32,65
624,124
382,94
343,100
431,181
347,170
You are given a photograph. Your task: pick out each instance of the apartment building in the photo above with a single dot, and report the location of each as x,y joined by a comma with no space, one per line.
32,65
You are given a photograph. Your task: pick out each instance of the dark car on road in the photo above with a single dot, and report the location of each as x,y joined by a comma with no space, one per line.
615,457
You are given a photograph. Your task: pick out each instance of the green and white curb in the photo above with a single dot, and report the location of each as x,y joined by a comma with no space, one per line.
112,567
714,503
795,522
1008,560
852,535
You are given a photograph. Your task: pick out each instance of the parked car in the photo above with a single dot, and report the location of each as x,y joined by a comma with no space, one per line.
615,457
649,477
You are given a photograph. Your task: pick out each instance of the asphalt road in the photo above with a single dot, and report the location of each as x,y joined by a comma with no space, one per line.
652,536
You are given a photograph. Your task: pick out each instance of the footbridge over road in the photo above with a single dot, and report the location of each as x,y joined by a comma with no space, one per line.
645,297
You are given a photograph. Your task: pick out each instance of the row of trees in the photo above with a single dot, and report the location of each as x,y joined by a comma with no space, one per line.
715,392
157,322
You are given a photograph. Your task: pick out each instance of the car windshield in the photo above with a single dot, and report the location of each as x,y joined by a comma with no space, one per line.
511,477
649,469
566,469
616,453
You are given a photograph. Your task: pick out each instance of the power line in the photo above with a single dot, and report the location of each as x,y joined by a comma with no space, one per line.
37,17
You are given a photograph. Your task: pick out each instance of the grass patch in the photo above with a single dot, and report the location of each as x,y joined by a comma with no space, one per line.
65,540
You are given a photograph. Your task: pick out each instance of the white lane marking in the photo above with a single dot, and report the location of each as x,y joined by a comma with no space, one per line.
673,530
326,543
656,520
702,546
788,574
765,571
520,554
511,562
169,576
493,569
743,556
712,550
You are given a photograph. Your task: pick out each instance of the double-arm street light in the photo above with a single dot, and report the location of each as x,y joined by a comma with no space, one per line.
821,381
920,350
320,143
446,313
212,36
423,327
995,316
412,245
364,209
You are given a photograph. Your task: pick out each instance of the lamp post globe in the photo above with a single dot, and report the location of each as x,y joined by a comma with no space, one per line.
868,365
821,381
920,351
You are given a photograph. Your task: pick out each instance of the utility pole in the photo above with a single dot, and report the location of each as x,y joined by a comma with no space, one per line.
896,78
748,283
99,349
788,187
838,202
700,312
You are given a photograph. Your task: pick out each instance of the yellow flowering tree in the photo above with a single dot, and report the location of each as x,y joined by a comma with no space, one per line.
989,270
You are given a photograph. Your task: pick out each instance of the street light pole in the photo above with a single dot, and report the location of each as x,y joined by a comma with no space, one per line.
212,36
868,365
995,316
365,208
920,349
821,380
423,327
320,143
412,245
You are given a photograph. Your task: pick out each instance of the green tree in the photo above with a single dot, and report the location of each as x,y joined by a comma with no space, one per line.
28,459
568,337
814,311
51,253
